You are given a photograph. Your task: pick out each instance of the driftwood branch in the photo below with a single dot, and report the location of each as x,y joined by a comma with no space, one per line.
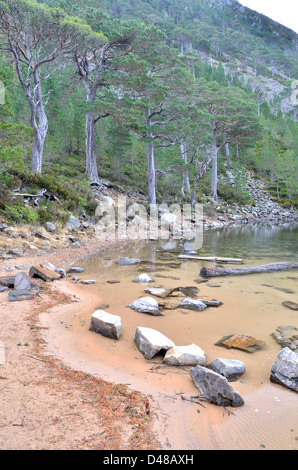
217,271
211,258
43,193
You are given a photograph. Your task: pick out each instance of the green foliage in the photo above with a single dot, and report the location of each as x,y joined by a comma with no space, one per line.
19,214
175,39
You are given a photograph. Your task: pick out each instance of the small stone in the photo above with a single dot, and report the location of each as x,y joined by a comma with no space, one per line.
15,252
292,305
73,223
158,291
128,261
75,270
92,281
193,304
50,227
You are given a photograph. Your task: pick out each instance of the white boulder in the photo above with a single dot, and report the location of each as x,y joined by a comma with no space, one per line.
106,324
190,355
143,278
150,342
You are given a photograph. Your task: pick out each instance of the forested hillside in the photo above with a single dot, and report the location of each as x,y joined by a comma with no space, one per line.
165,99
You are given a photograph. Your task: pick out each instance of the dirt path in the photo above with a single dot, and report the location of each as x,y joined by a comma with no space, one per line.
46,405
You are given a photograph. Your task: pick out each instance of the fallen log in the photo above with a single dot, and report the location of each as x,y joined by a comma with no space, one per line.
212,258
266,268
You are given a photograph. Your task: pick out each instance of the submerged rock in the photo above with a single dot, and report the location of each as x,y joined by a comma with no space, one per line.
128,261
106,324
146,305
214,387
285,369
289,304
150,342
192,304
190,355
143,278
247,343
229,368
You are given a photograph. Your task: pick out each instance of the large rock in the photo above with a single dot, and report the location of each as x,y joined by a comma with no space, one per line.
150,342
106,324
214,387
285,369
229,368
193,304
190,355
46,274
146,305
52,267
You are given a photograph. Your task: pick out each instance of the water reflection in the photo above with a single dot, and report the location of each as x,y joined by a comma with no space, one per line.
276,243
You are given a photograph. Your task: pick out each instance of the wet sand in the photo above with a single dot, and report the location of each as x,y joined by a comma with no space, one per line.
269,417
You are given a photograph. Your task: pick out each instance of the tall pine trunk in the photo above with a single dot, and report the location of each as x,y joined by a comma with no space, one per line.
90,142
185,183
151,164
91,160
39,123
214,164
